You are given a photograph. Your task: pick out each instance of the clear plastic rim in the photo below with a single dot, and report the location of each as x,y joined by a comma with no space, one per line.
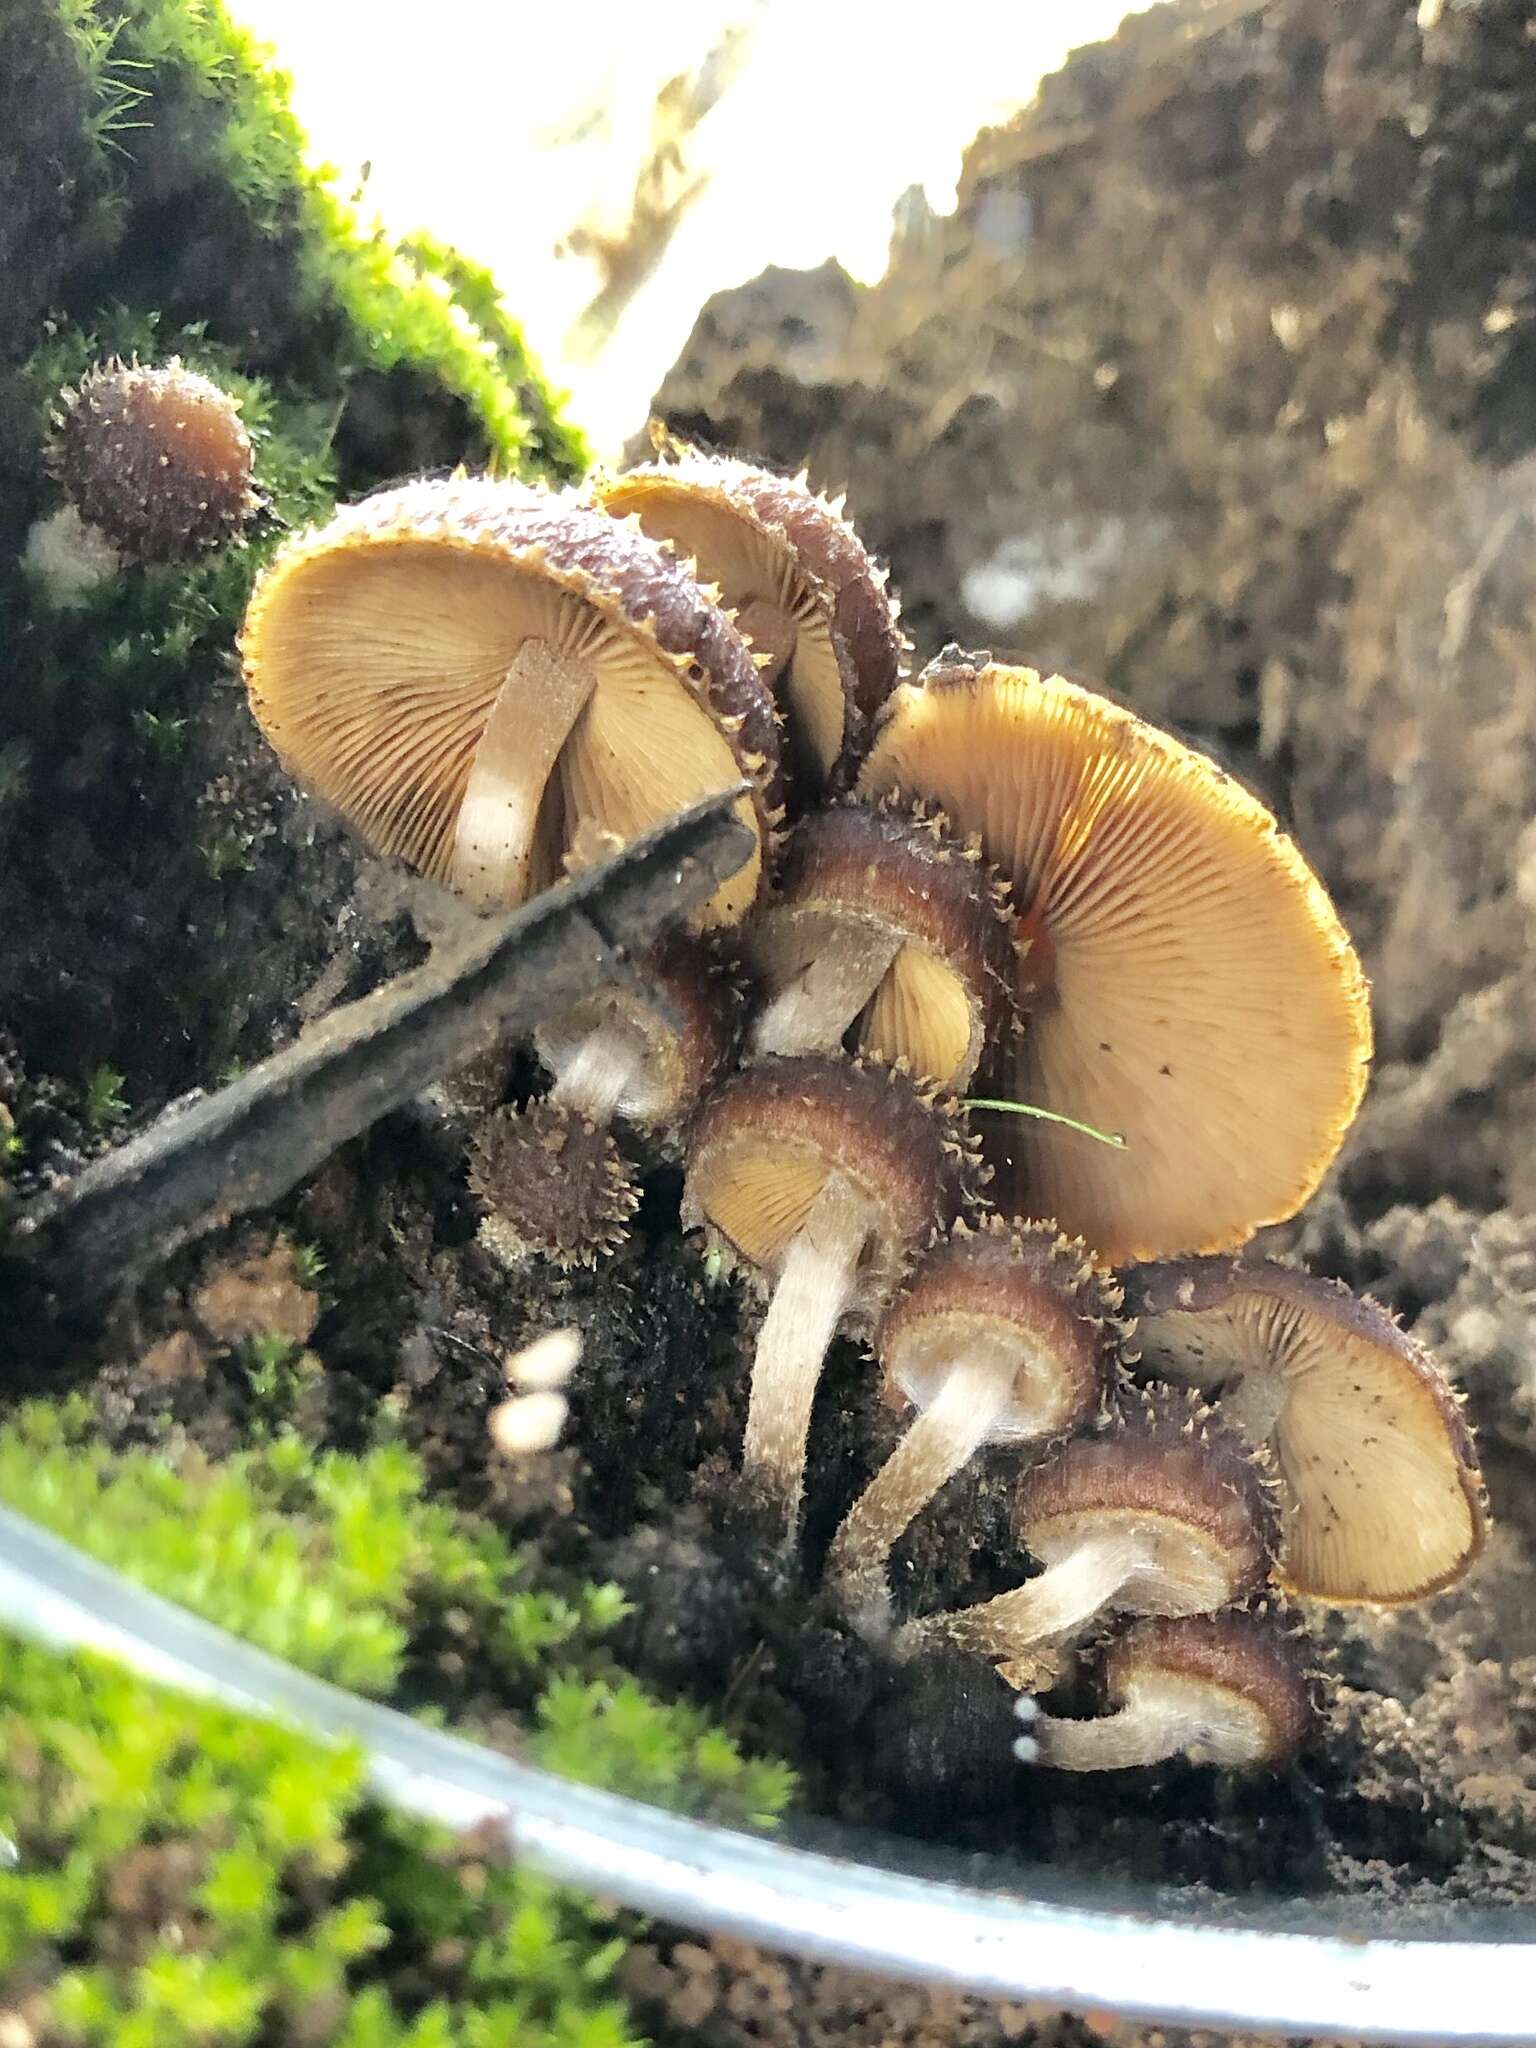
1139,1963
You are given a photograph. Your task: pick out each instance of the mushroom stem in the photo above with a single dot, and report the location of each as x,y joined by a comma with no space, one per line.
542,695
1255,1403
1150,1728
817,1007
815,1286
942,1438
1059,1602
606,1069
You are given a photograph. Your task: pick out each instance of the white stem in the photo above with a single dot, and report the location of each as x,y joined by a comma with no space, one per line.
607,1065
1066,1596
541,697
1255,1403
945,1436
1146,1731
812,1012
814,1289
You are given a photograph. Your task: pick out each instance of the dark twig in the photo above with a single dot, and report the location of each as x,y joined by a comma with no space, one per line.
217,1156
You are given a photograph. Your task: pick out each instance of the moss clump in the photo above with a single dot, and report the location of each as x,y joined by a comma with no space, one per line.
185,1876
187,1879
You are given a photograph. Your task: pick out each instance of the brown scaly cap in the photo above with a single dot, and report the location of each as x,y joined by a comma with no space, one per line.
1166,1467
766,1141
788,562
896,868
1187,981
1380,1488
375,649
1018,1286
1251,1666
553,1183
687,1051
156,458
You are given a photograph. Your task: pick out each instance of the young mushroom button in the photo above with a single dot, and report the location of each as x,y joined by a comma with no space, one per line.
1005,1334
1185,979
802,587
826,1178
156,458
491,681
1380,1491
551,1176
1167,1512
1226,1689
886,930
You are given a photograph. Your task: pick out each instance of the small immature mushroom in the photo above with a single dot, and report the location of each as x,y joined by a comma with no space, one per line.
804,590
1185,979
551,1175
1381,1495
156,459
1166,1513
1225,1689
490,681
553,1184
826,1177
1005,1334
886,930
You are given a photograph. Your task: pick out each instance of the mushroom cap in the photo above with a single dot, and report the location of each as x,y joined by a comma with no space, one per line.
157,458
766,1141
1024,1294
897,869
1381,1495
554,1184
771,541
1242,1669
1171,1473
688,1033
376,647
1188,982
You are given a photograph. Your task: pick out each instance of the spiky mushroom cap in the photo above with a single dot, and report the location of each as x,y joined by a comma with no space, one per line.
1187,981
554,1185
682,1013
1171,1474
766,1143
1241,1677
440,645
1381,1496
800,580
895,874
1023,1293
156,458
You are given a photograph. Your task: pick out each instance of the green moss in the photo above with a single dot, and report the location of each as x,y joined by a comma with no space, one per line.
187,1877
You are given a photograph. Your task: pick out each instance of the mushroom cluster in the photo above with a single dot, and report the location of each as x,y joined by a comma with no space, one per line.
978,879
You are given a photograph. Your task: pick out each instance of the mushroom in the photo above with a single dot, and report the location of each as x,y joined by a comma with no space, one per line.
1226,1689
1167,1512
1186,980
1381,1495
489,681
804,590
887,930
155,458
552,1177
1004,1334
825,1177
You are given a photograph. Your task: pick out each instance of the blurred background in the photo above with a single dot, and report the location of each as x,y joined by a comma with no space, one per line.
617,165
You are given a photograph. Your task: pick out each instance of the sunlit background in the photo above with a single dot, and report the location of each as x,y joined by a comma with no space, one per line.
615,164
